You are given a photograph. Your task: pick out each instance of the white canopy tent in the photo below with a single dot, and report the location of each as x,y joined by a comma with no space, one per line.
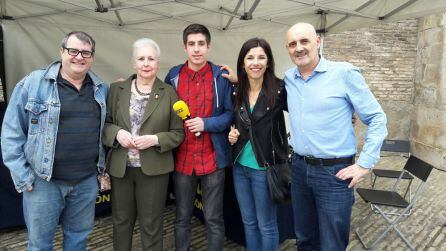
33,29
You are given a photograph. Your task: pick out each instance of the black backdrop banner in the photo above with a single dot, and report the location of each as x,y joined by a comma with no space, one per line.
11,212
233,219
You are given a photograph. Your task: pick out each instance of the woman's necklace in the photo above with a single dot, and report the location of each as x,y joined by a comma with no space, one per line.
140,92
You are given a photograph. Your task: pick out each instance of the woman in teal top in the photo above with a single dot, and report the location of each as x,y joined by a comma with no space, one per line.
247,157
259,140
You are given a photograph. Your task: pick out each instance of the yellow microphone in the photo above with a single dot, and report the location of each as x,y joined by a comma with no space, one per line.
182,110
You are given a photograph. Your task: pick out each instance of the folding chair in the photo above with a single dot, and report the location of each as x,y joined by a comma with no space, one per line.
400,146
383,198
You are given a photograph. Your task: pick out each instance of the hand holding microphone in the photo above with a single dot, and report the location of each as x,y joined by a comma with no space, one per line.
194,125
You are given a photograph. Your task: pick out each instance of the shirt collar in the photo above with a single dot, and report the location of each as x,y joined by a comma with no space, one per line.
322,66
202,71
61,80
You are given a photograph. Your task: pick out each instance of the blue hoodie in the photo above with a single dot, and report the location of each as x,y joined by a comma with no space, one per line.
222,114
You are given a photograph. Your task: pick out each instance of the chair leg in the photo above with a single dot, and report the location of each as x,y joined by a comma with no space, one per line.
372,180
360,227
392,225
408,190
404,239
394,222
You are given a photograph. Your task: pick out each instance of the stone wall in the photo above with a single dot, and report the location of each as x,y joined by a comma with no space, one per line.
428,122
386,54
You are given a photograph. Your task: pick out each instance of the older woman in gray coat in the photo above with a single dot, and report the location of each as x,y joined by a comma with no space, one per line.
142,130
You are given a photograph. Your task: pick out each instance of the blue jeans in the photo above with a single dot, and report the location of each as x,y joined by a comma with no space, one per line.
51,202
212,188
259,212
322,206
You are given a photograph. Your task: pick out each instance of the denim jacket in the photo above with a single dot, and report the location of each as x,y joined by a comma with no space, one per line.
30,124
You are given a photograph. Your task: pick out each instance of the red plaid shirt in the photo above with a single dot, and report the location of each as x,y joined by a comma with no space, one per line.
196,153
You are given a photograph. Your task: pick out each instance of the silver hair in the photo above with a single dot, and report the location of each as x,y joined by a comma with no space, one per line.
142,42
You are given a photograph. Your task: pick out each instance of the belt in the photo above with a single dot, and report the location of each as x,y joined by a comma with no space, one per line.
310,160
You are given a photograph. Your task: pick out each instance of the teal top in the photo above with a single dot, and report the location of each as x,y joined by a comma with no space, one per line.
247,156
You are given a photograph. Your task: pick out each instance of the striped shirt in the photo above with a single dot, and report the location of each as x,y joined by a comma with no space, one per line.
77,145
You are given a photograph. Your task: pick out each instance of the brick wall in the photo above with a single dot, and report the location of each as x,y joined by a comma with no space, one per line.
386,53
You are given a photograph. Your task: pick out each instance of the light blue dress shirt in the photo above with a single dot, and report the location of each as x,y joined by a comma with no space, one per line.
320,111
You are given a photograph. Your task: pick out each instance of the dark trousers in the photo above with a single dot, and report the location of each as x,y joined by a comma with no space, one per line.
212,187
142,196
322,206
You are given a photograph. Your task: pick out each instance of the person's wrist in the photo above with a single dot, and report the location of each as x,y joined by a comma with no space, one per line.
157,142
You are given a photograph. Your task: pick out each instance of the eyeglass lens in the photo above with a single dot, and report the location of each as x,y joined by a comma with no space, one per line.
75,52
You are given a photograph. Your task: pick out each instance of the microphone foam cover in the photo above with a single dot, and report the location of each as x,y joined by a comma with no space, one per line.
181,108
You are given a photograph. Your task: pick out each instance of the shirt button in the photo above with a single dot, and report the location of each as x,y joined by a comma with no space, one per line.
51,121
48,140
45,160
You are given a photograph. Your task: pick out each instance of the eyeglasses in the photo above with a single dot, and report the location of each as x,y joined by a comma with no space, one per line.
75,52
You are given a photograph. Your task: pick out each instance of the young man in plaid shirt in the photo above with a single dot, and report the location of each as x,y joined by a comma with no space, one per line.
209,96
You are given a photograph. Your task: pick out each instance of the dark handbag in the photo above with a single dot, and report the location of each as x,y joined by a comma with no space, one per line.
278,175
279,182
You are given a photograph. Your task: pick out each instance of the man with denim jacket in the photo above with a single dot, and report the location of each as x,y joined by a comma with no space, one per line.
206,150
51,142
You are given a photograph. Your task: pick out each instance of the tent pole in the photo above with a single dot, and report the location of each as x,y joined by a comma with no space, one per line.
2,67
397,9
234,12
118,16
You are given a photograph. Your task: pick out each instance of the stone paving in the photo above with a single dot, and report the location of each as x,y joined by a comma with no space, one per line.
425,228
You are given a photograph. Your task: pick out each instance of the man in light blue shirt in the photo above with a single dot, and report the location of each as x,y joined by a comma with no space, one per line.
322,96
